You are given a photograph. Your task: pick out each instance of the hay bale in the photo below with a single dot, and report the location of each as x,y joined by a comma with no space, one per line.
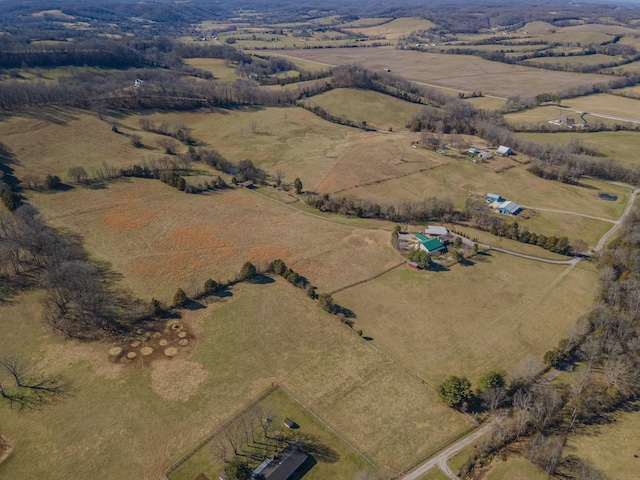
146,351
115,351
135,343
131,355
163,343
156,335
183,343
182,334
171,352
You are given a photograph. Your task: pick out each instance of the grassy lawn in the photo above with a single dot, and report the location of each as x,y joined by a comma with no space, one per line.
217,66
514,468
434,474
612,448
463,72
160,238
379,111
133,421
572,226
512,308
336,458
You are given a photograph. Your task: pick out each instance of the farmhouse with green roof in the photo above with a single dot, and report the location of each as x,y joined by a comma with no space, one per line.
433,246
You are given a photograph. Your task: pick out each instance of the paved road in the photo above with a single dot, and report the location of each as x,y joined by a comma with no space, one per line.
617,225
441,459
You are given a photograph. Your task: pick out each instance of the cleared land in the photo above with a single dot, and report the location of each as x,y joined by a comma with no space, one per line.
512,308
325,156
603,103
463,72
379,111
218,67
576,60
160,238
613,448
461,178
514,468
621,146
133,421
396,28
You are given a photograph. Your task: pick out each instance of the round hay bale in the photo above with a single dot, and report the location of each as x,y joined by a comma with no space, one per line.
135,343
182,334
115,351
156,335
183,343
174,325
146,351
132,355
163,343
171,352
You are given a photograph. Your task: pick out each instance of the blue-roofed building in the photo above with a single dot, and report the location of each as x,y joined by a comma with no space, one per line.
494,197
509,208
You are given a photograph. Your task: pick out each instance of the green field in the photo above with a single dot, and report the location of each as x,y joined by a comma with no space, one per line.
621,146
218,67
612,448
380,111
337,459
512,308
133,421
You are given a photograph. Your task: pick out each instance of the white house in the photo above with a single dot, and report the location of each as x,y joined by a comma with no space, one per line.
504,151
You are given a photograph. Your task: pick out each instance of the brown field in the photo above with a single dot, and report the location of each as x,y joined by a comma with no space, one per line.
216,66
133,421
365,22
160,238
325,156
461,178
53,13
633,67
49,141
514,468
576,60
612,448
463,72
602,103
487,103
512,308
537,28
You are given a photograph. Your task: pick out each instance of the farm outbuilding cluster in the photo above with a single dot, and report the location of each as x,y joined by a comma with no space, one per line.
501,205
432,241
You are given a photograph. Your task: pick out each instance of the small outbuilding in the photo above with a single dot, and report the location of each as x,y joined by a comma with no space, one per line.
494,197
485,155
504,151
474,151
290,423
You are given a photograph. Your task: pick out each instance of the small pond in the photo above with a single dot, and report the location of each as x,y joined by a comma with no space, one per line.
608,196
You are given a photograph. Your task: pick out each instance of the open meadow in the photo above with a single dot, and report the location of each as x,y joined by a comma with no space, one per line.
380,111
132,421
621,146
217,66
463,72
392,30
612,447
512,308
461,178
160,238
327,157
606,104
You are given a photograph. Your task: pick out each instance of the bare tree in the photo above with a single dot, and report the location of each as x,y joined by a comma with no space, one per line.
279,177
23,387
169,144
78,173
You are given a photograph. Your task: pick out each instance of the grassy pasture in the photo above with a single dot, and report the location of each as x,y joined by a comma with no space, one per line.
434,474
379,111
631,91
622,146
463,72
487,103
612,448
537,28
132,421
514,468
577,36
346,461
366,22
575,60
325,156
66,138
160,238
396,28
458,179
603,103
574,227
633,67
512,308
216,66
